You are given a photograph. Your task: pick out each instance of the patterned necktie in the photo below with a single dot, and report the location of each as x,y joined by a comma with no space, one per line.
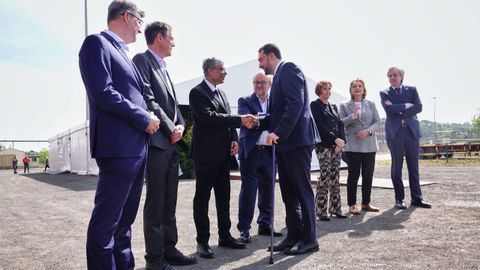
216,93
399,92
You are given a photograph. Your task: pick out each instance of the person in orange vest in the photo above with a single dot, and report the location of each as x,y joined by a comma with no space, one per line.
26,164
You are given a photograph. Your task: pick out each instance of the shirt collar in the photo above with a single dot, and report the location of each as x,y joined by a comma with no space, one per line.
276,67
160,61
118,39
210,85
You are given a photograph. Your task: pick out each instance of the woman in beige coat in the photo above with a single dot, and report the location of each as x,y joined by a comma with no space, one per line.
361,121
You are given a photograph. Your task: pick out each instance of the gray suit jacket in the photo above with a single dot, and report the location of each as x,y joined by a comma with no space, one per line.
158,98
369,119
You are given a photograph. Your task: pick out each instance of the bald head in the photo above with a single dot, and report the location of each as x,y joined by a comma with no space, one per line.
261,85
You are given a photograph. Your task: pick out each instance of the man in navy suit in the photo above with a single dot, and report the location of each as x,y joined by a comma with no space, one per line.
255,157
119,126
293,129
402,131
159,221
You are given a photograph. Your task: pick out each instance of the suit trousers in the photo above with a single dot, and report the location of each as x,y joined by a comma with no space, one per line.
159,221
364,162
256,172
328,185
297,193
119,188
405,144
210,175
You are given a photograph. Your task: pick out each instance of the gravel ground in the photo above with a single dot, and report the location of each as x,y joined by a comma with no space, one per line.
44,219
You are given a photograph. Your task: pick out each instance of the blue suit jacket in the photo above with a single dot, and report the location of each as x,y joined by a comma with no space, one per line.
397,112
249,137
118,113
290,116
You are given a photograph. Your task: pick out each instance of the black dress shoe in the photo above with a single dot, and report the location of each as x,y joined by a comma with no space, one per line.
338,215
284,244
204,250
323,218
245,237
399,204
175,257
158,265
301,248
267,232
421,203
231,242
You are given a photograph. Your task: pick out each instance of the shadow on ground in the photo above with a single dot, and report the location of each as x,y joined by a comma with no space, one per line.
66,180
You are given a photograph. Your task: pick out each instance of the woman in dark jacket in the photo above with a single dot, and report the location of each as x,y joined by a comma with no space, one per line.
328,152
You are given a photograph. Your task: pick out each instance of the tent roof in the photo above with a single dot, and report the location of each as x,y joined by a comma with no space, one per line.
238,83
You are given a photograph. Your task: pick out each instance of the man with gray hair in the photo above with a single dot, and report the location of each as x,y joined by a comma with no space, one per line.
214,141
119,125
402,131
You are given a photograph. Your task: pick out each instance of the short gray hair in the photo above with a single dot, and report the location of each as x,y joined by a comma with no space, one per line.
119,7
211,63
402,73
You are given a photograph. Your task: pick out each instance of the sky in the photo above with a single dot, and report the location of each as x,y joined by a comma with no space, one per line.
436,42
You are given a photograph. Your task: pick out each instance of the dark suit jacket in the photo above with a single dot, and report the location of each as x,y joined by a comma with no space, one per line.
397,112
290,116
118,113
213,125
249,137
329,124
158,98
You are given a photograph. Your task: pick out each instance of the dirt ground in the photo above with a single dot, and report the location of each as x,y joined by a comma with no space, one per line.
44,220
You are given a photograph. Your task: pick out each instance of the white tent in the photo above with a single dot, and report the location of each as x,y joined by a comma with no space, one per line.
69,150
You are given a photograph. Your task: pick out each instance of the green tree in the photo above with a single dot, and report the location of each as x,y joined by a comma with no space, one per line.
476,125
43,155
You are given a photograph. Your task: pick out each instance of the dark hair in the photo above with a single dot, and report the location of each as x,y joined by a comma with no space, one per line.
211,63
364,89
271,48
155,28
119,7
320,85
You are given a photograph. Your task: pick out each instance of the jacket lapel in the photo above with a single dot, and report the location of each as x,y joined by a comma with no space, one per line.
158,71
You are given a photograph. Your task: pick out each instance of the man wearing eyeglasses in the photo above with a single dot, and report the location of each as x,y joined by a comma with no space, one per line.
119,125
255,156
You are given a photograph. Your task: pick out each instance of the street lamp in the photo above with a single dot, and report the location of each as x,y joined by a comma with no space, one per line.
434,123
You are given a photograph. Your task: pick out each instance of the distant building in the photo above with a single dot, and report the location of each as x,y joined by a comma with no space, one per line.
6,157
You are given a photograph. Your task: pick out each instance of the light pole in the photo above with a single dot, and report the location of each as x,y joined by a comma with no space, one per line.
434,123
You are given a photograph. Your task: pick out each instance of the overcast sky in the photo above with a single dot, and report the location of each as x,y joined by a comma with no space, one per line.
437,42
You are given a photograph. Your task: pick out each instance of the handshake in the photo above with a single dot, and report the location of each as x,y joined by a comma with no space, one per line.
249,121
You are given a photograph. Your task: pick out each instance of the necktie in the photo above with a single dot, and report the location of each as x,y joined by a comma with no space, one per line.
218,97
399,93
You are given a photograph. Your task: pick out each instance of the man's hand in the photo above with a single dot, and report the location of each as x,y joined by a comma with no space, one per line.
177,134
362,134
234,148
153,124
272,138
388,102
249,121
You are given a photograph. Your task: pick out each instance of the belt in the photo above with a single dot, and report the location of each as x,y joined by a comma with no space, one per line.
263,147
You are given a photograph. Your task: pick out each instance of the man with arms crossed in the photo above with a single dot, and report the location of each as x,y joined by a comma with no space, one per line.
402,131
159,221
119,125
293,129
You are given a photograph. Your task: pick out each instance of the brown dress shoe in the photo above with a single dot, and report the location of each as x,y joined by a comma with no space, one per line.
353,209
370,208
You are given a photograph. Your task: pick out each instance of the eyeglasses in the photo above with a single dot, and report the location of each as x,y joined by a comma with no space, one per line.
219,68
140,21
259,82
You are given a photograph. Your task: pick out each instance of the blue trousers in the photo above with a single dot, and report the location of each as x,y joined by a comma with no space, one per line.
256,172
405,144
109,233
